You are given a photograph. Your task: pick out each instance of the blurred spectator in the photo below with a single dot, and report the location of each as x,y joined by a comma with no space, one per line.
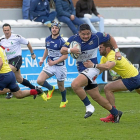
84,10
66,13
40,11
25,9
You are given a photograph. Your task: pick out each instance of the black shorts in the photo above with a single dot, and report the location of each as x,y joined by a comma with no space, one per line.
16,62
90,85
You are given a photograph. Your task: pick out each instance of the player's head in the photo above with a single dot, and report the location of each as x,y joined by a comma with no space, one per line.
105,48
85,32
55,28
7,30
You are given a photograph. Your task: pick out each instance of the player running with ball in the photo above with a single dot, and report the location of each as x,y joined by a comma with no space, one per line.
89,45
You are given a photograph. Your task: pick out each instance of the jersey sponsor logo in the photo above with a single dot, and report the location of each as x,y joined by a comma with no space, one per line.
11,43
67,44
90,43
52,42
55,46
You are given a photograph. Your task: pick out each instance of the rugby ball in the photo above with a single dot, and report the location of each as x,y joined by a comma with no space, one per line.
78,46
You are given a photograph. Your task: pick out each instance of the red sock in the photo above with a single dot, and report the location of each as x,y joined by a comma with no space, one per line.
114,106
33,92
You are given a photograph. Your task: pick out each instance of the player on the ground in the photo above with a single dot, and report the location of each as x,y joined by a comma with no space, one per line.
130,75
12,42
56,63
89,44
8,80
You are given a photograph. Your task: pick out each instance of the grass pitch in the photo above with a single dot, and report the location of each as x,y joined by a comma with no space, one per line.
28,119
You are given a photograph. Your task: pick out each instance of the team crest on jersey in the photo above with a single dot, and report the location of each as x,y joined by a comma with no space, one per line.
104,34
90,43
48,43
67,43
55,46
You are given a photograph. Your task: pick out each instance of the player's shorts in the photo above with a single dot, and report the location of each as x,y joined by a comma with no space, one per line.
8,80
91,74
132,83
16,62
60,72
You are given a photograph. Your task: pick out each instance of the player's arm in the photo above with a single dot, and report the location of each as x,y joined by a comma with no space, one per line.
115,46
61,59
44,57
102,67
1,63
31,50
106,66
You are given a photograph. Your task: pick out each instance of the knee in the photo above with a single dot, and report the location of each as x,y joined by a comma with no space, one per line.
40,82
19,80
106,89
74,85
101,19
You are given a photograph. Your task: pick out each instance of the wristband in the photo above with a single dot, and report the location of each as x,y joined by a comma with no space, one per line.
94,66
117,50
32,53
69,50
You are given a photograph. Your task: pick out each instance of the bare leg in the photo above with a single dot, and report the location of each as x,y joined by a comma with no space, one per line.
95,95
112,87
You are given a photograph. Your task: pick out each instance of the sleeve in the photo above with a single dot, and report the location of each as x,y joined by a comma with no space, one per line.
73,10
59,9
67,44
112,58
22,40
78,10
102,60
102,37
94,10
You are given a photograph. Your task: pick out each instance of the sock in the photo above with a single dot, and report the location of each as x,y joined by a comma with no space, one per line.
86,101
113,111
27,84
63,96
47,85
33,92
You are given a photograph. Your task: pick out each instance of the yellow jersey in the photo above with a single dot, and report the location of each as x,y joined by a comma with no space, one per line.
5,67
123,67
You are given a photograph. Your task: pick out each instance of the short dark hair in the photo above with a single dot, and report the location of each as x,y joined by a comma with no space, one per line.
84,27
6,24
108,44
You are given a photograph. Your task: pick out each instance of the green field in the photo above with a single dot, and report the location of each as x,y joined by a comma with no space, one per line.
29,119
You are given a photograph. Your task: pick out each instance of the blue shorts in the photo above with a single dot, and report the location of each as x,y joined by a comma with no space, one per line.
132,83
8,80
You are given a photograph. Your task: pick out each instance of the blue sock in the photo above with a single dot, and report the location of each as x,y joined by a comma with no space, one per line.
47,85
63,96
113,111
86,101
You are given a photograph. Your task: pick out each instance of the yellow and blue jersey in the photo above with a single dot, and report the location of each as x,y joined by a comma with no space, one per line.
5,67
123,67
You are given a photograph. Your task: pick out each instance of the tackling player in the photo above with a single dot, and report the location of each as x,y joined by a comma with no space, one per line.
89,44
56,65
130,75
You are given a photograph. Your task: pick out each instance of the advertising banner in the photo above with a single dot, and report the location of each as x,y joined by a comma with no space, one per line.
30,68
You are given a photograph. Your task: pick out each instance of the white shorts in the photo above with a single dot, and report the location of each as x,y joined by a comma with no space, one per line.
60,72
92,74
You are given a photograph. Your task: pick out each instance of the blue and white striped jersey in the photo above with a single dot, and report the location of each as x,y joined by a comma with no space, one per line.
54,46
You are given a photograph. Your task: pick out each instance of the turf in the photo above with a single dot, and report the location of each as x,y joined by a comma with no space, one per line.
28,119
